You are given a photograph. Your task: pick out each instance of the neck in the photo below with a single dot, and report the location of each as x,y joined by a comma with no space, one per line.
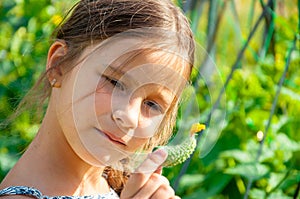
50,165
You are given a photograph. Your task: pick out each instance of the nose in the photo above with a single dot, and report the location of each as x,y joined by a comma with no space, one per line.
127,117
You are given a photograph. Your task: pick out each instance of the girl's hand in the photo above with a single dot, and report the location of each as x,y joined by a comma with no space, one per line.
147,182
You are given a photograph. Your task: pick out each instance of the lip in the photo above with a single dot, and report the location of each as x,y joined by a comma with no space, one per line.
112,138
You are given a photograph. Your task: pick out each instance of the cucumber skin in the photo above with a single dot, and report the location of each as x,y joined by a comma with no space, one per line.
177,154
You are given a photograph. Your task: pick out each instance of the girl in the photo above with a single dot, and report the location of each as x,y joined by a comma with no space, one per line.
114,76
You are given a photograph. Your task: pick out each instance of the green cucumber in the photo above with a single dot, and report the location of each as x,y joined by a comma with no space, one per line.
177,154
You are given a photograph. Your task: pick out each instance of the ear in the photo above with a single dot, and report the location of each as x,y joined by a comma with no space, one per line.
55,54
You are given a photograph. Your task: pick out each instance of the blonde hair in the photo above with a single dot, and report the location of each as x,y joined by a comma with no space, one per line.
91,21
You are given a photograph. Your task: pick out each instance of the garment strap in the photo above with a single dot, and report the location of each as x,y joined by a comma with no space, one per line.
22,190
34,193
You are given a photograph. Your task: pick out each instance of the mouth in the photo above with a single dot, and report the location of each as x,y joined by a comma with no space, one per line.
112,137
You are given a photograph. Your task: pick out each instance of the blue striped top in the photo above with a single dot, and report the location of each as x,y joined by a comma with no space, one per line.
30,191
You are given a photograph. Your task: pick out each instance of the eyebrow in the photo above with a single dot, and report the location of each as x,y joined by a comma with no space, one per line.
167,97
119,74
114,70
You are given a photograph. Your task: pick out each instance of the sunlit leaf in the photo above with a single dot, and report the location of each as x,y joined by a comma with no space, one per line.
191,180
239,155
257,194
249,170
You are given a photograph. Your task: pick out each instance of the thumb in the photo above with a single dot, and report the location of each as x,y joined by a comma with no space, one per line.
153,162
142,174
159,170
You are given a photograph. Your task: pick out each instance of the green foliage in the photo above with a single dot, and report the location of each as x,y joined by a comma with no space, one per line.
249,97
179,153
225,171
25,29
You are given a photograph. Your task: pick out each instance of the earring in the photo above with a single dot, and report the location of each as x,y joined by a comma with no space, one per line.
53,81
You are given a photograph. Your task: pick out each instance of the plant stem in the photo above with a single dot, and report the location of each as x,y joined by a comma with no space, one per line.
259,152
281,181
211,41
187,5
297,191
216,104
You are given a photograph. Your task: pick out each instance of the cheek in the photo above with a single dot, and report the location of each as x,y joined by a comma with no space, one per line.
148,127
102,103
135,144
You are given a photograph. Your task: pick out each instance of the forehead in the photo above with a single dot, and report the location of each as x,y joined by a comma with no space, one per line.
153,57
135,51
141,61
153,67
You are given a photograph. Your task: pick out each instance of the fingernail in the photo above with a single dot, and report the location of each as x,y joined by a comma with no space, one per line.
160,155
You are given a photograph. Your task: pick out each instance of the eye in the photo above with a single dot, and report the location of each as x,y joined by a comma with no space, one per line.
153,105
115,83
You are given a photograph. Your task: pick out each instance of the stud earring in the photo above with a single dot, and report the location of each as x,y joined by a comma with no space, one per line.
53,81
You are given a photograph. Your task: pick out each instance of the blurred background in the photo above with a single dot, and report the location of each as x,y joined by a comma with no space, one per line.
254,80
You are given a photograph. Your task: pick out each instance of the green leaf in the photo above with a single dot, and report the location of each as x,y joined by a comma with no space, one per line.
200,193
293,179
290,93
253,171
278,194
216,182
239,155
274,180
7,161
188,180
257,194
286,144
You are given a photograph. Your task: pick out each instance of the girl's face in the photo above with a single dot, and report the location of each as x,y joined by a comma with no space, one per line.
130,101
110,105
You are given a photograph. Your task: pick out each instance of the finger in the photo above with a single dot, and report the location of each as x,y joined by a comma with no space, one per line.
153,162
138,179
159,170
163,192
155,181
175,197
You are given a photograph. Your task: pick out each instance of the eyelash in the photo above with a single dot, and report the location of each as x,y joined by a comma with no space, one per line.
115,83
152,104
